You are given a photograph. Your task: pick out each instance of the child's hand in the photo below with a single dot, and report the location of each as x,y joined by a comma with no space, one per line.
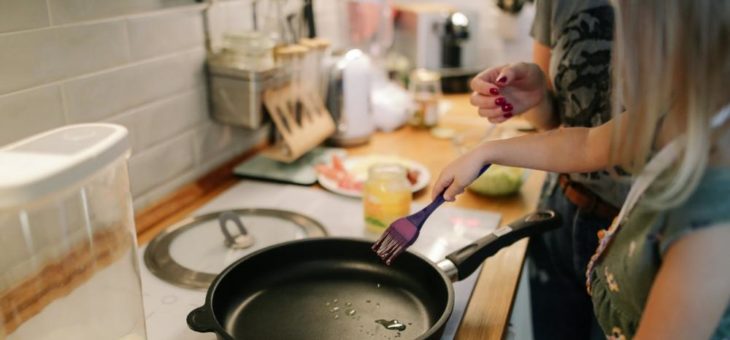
457,175
504,91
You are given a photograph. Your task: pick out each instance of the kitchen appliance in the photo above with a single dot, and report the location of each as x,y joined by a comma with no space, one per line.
336,289
348,98
68,256
438,37
167,305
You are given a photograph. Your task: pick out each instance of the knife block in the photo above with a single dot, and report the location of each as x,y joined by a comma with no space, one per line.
300,118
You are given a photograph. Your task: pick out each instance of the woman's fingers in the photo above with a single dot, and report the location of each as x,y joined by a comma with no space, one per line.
485,102
452,190
441,184
484,87
511,73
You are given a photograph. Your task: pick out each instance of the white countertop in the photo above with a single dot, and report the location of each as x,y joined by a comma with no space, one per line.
449,228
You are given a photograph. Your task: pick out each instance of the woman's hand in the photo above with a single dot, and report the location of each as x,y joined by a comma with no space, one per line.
458,174
504,91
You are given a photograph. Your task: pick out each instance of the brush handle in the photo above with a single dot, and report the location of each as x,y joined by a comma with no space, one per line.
419,218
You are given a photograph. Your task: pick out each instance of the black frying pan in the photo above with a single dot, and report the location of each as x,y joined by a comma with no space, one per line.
308,289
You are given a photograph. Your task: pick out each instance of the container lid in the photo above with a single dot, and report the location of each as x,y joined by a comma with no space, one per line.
57,160
192,252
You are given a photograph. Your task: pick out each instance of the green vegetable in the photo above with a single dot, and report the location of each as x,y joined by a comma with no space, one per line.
498,181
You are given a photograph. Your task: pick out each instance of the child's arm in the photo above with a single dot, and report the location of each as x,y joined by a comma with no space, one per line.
692,290
563,150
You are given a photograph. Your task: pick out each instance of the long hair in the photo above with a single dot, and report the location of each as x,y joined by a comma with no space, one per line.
671,69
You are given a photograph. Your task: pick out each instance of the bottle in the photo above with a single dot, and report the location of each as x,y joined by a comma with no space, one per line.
425,89
387,196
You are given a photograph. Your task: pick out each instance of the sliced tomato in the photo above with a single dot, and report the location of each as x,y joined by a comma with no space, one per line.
337,163
329,172
412,175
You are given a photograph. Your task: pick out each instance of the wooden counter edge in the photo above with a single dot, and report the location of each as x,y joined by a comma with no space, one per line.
489,309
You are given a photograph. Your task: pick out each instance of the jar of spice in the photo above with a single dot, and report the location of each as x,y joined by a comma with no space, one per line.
387,196
425,89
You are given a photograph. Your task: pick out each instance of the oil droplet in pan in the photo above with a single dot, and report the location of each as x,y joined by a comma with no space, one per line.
351,312
393,325
334,309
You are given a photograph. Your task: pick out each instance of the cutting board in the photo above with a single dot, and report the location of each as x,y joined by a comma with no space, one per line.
299,172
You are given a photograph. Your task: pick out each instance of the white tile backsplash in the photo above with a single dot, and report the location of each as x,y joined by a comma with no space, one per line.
160,34
102,95
29,112
69,11
19,15
161,163
42,56
164,119
213,139
139,63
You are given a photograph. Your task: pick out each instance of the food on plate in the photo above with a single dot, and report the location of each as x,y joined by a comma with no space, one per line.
351,176
498,181
337,172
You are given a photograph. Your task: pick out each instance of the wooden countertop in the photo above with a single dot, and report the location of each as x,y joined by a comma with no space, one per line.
488,312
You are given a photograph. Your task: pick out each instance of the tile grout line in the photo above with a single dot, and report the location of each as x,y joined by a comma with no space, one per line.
157,101
196,7
128,41
48,11
182,135
64,104
110,69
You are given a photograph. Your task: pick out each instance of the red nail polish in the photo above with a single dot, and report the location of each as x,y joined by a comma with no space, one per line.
508,115
494,91
500,101
502,80
507,107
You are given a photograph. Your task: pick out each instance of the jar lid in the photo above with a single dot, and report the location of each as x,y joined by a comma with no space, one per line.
289,51
192,252
57,160
315,43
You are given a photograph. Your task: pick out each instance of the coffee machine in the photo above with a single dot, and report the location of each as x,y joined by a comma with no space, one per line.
438,37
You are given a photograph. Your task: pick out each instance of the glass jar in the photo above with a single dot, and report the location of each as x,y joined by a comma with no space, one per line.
387,196
425,89
249,51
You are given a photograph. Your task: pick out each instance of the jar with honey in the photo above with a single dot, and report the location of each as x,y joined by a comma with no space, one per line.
387,196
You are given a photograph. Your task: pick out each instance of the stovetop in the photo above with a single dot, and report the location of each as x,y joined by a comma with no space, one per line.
449,228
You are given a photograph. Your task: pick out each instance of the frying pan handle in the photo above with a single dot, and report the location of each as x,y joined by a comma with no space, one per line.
201,320
466,260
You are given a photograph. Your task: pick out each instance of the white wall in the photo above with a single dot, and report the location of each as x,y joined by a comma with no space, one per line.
139,63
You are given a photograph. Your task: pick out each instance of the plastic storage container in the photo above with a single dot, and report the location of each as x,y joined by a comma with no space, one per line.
68,259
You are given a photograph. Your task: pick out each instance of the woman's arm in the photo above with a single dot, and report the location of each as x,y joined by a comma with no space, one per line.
563,150
692,289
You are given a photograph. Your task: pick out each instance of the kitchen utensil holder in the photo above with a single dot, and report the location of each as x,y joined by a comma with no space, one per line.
299,132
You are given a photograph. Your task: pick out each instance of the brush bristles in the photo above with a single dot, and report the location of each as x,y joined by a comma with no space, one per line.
389,246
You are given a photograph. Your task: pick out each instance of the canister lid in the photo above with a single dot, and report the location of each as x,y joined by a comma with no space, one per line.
192,252
57,160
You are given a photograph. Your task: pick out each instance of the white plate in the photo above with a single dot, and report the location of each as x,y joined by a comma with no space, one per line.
358,167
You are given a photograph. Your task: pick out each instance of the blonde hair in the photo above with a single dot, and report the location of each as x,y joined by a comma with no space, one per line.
671,66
